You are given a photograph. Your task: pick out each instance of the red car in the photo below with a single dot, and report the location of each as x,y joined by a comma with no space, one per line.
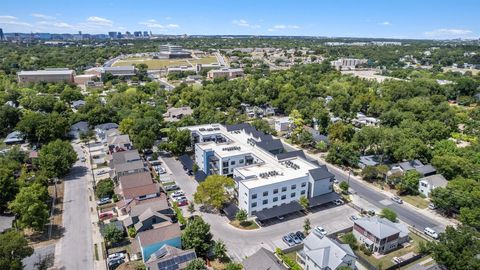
103,216
182,202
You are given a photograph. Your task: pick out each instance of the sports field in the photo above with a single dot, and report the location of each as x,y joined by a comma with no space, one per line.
164,63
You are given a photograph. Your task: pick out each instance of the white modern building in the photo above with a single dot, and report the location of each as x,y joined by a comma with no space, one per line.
283,124
47,75
267,177
173,51
347,63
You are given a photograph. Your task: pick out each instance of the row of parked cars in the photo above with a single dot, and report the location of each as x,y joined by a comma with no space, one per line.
292,239
115,259
177,196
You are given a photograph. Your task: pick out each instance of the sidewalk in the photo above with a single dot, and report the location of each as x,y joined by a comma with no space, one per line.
425,212
97,238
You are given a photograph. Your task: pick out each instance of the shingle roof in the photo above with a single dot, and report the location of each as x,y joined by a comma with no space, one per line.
124,157
157,204
106,126
135,180
436,180
379,227
130,166
426,170
131,193
263,260
158,234
325,251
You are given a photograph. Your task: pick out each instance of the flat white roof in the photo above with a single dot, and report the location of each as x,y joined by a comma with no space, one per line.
287,169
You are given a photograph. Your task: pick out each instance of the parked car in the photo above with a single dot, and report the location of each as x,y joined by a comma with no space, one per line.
431,232
83,159
371,213
397,199
338,202
432,206
319,230
178,193
103,201
182,202
115,256
171,187
288,240
295,238
104,216
115,263
178,199
353,217
300,235
101,172
335,181
160,170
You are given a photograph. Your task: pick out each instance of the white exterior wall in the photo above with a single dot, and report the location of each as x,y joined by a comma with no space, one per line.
235,159
245,200
424,188
320,187
348,261
199,157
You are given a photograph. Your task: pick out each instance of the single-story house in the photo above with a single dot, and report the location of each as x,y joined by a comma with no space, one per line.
175,114
324,253
403,167
263,260
429,183
283,124
380,234
366,161
163,234
78,128
77,104
102,128
317,137
169,258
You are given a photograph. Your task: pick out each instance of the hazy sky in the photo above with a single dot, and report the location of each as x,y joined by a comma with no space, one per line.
354,18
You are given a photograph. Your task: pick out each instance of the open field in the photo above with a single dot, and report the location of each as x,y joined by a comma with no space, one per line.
165,63
416,201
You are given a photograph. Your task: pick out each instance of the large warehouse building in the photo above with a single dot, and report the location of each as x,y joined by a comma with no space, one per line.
269,180
48,75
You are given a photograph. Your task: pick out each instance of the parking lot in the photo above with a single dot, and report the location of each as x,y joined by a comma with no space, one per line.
242,243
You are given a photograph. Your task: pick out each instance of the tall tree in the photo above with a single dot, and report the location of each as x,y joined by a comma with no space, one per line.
213,191
197,236
13,249
30,207
8,187
57,158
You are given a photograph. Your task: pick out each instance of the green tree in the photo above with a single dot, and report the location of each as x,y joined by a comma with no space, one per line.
197,236
8,187
303,201
470,217
30,207
220,250
56,158
305,138
197,264
321,146
350,239
457,249
263,125
13,249
409,183
178,140
343,154
344,187
69,94
213,191
389,214
340,132
9,117
241,215
104,188
132,232
306,226
112,234
297,123
191,207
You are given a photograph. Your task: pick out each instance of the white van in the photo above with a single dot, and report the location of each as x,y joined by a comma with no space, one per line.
431,232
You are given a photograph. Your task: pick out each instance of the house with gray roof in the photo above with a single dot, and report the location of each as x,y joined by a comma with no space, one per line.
324,253
429,183
263,260
170,258
403,167
380,234
15,137
78,128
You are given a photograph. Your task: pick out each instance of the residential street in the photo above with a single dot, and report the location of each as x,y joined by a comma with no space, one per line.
414,217
75,251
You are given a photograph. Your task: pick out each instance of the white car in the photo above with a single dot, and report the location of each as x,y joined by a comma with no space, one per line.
338,202
116,256
177,194
431,232
319,230
432,206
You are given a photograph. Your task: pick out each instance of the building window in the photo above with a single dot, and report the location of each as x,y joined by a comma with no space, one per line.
254,196
292,195
275,199
225,164
302,192
275,191
304,184
294,187
265,193
284,189
264,202
225,171
232,162
254,204
283,197
240,161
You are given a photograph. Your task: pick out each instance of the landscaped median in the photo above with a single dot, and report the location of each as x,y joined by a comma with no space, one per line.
245,225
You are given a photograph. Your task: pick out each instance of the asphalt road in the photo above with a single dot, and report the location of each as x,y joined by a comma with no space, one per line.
76,248
38,255
374,197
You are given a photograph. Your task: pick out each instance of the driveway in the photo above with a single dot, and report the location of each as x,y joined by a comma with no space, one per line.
39,254
75,249
242,243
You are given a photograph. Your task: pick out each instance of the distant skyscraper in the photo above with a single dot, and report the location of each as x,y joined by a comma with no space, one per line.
2,37
112,34
145,33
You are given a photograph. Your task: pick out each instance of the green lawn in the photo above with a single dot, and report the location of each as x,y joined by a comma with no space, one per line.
416,201
164,63
247,225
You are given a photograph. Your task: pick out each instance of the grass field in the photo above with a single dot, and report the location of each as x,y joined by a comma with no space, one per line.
416,201
164,63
